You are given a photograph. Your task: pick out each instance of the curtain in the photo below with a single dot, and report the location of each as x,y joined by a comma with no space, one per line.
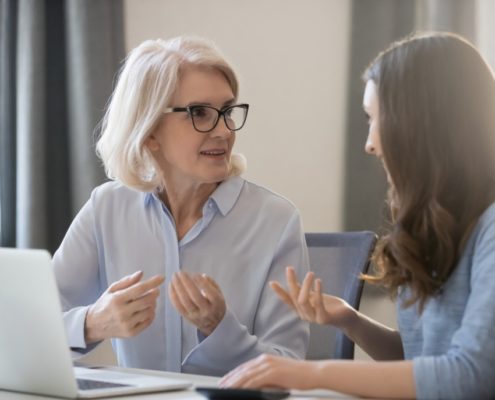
8,28
57,66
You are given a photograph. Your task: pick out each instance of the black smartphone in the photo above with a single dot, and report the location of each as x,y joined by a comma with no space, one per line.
215,393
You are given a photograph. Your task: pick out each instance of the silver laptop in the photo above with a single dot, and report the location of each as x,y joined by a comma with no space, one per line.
34,354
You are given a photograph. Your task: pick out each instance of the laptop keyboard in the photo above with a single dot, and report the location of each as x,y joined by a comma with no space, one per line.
87,384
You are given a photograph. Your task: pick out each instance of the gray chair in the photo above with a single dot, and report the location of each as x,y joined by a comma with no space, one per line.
338,259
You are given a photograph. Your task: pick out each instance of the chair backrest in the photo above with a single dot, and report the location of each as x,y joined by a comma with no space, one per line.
338,259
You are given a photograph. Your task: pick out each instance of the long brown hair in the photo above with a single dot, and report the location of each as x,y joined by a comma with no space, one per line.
437,129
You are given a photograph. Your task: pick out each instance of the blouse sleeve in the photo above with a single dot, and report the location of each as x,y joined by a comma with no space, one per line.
77,273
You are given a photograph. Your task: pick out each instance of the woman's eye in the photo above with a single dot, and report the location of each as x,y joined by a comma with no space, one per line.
367,117
199,112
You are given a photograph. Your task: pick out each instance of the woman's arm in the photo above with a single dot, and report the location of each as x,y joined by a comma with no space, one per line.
308,301
92,312
77,273
378,341
390,379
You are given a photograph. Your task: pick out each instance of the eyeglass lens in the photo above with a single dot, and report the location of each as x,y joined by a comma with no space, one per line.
205,118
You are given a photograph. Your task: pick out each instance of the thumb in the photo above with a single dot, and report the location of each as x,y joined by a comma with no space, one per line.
280,292
125,282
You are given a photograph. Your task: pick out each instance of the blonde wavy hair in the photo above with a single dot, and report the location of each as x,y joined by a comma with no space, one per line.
146,83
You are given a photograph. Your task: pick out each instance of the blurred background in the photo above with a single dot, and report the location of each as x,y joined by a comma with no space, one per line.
300,65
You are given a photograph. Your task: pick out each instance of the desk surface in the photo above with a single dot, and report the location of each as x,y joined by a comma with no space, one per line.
198,380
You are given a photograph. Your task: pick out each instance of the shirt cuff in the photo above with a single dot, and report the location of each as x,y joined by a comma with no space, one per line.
74,325
211,351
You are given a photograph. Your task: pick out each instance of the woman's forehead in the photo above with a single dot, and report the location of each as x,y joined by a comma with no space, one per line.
370,97
204,85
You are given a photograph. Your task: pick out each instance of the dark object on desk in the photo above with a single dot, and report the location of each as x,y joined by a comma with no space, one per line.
338,259
214,393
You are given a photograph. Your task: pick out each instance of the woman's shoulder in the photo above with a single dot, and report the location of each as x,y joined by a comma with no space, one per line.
479,253
485,227
267,196
488,217
114,192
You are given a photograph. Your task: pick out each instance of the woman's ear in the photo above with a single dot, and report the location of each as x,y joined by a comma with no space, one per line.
152,143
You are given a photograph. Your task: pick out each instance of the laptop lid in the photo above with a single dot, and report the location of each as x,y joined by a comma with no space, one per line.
35,356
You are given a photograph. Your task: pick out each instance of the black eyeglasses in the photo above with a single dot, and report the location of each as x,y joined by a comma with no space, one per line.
205,118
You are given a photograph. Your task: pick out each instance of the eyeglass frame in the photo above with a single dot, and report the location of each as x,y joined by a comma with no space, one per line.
220,113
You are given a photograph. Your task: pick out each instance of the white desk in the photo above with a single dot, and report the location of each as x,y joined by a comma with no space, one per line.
190,394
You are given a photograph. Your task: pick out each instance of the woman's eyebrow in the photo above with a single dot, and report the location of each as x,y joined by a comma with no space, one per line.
207,103
229,102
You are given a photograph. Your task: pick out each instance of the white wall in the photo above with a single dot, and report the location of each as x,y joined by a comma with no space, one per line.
292,58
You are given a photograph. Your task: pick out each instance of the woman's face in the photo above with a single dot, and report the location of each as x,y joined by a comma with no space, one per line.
184,154
371,108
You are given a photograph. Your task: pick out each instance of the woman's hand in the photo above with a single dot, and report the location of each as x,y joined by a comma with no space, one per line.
310,304
124,309
199,299
273,372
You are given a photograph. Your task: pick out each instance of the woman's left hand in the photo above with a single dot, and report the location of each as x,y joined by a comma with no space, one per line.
270,371
199,299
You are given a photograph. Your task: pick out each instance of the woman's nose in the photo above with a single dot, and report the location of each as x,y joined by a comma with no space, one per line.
369,147
221,129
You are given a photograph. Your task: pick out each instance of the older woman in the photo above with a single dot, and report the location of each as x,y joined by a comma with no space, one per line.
178,208
430,101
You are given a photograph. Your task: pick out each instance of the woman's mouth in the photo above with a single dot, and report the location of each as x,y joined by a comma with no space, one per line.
212,153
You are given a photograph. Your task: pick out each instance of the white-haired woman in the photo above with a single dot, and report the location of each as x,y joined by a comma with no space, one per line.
177,209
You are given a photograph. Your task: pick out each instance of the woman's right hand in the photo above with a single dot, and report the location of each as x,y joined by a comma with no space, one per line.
124,309
310,304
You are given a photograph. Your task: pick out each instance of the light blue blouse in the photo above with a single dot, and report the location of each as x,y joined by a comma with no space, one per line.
452,344
246,238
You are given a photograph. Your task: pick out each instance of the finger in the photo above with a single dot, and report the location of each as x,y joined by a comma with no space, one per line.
238,375
211,281
172,293
212,286
318,302
141,326
318,286
182,295
292,283
303,298
250,376
144,302
128,313
209,288
306,287
280,292
193,291
125,282
256,379
142,316
236,380
140,322
138,289
133,324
